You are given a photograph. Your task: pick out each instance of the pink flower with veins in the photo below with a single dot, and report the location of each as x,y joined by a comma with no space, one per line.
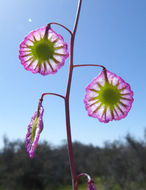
34,129
108,97
43,51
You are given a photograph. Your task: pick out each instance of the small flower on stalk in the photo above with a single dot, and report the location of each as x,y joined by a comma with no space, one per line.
90,181
43,51
108,97
91,185
34,129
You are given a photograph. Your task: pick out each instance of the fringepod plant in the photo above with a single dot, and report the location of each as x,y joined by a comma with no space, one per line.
108,97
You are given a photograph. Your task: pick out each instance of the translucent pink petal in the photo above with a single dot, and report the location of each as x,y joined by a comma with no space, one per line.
91,185
32,66
98,109
32,143
60,52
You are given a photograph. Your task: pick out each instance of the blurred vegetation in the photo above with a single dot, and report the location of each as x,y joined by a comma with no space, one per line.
120,165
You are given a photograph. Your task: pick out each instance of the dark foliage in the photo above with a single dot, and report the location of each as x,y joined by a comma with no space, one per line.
123,163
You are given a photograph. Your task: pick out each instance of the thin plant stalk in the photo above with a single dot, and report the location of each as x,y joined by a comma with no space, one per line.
68,127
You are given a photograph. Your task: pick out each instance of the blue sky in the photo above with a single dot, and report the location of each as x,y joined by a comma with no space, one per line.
111,33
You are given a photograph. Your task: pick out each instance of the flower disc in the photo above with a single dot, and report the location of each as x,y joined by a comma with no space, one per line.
108,97
43,51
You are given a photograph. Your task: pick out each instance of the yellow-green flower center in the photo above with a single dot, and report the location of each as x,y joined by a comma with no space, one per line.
42,50
34,127
109,95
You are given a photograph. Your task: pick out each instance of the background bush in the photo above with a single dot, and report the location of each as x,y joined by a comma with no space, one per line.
115,166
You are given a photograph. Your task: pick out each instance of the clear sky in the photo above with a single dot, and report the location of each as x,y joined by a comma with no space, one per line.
110,32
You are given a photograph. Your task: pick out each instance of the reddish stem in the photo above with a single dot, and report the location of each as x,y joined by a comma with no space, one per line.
68,127
84,174
104,69
61,26
44,94
90,65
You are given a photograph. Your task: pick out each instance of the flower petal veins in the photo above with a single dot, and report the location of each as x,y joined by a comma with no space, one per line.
34,129
108,97
43,51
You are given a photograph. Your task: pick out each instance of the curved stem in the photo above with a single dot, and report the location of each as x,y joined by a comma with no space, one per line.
44,94
68,127
84,174
89,65
104,69
61,26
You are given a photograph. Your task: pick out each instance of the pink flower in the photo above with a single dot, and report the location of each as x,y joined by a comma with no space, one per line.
108,97
34,129
91,185
43,51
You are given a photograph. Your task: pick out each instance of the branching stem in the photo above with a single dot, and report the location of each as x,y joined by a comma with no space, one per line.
44,94
67,113
61,26
85,65
66,98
